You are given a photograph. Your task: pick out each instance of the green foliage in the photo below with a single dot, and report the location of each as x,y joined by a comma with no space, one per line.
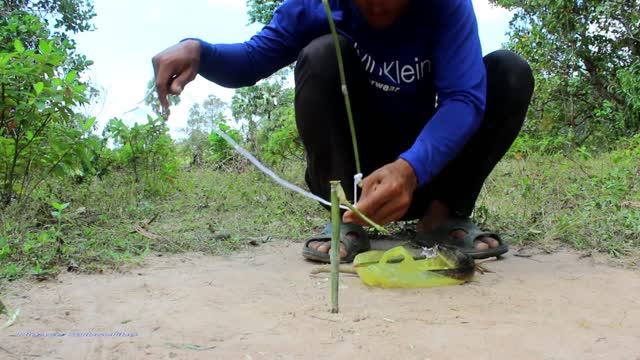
278,135
214,211
40,134
630,87
203,118
586,201
90,231
584,55
67,15
261,11
220,150
267,111
146,150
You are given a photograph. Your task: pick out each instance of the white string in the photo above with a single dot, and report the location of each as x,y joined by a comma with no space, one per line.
357,178
137,105
270,173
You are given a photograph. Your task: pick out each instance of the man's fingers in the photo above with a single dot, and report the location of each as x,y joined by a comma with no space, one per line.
353,218
163,78
178,84
370,204
391,212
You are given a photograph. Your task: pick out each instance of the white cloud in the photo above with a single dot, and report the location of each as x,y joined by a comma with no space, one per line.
487,12
154,12
493,23
228,4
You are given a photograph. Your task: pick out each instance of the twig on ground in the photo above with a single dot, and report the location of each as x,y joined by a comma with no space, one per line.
345,269
148,234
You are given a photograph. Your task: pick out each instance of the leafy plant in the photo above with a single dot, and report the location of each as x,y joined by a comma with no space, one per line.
145,149
585,57
60,215
40,134
261,11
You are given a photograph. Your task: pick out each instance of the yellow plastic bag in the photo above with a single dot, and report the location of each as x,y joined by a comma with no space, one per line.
396,268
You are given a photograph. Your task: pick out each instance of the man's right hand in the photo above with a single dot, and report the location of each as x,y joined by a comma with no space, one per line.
175,67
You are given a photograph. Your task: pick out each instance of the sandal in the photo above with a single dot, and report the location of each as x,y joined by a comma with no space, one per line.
353,246
442,236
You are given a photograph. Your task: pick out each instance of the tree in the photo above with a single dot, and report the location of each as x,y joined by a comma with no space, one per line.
40,134
257,104
67,15
203,118
278,135
261,11
147,149
585,56
207,116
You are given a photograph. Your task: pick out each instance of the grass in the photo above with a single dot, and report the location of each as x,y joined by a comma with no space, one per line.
587,203
205,210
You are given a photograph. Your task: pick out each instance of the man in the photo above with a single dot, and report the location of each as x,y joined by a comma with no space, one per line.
432,117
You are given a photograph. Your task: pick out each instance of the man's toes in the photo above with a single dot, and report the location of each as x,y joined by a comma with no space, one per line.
343,251
486,243
493,243
324,247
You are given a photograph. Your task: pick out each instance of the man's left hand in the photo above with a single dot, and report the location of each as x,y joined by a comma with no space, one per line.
386,194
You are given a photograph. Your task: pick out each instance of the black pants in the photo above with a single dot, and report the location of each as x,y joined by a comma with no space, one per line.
324,129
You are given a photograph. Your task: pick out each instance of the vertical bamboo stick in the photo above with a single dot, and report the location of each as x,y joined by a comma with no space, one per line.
343,81
335,245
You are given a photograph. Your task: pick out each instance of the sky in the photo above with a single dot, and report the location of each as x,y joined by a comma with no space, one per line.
129,33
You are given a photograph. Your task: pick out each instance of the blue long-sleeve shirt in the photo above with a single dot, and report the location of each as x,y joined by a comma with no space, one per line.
434,46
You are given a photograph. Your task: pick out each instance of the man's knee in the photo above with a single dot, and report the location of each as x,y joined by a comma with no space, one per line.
319,56
511,74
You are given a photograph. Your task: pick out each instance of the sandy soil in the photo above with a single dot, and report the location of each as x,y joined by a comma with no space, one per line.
263,304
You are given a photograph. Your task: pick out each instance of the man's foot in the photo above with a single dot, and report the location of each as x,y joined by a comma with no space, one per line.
325,246
353,240
439,214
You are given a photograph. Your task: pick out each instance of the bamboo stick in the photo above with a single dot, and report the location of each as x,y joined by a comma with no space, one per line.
335,246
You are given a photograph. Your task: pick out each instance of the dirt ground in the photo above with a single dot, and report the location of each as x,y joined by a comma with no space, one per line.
263,304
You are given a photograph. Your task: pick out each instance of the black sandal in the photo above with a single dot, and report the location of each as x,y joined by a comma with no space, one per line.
353,246
442,236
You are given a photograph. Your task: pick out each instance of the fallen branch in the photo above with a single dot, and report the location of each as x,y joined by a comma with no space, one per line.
345,269
148,234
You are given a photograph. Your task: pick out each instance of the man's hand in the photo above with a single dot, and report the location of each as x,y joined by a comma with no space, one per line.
386,194
175,67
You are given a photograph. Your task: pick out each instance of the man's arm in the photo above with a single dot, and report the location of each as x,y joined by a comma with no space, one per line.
274,47
237,65
460,80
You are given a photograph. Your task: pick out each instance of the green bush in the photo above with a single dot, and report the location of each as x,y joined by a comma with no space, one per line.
40,135
146,150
